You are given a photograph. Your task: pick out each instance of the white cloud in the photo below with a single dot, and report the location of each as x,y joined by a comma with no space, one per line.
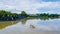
30,6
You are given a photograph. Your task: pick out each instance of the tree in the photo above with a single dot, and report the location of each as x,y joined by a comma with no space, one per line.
23,13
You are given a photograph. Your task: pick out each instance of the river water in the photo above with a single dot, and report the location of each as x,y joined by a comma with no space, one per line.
30,26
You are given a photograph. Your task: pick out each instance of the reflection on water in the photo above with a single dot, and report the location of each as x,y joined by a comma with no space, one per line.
4,24
30,26
26,19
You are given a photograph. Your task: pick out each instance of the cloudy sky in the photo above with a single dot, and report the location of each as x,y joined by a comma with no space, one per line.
31,6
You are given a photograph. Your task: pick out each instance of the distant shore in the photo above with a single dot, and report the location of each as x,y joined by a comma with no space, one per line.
8,16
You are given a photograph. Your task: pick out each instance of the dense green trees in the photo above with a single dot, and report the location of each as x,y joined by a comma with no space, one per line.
54,16
6,15
48,15
23,13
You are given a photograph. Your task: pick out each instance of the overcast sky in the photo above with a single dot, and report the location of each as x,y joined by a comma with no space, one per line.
31,6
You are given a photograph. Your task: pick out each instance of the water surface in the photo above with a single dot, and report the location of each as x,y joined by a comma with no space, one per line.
30,26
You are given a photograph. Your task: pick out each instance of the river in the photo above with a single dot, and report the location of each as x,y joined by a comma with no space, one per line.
30,26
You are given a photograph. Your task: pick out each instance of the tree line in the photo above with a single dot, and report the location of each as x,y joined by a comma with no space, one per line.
6,15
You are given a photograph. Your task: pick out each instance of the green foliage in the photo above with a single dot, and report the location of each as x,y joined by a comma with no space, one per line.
7,13
23,13
4,15
48,15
